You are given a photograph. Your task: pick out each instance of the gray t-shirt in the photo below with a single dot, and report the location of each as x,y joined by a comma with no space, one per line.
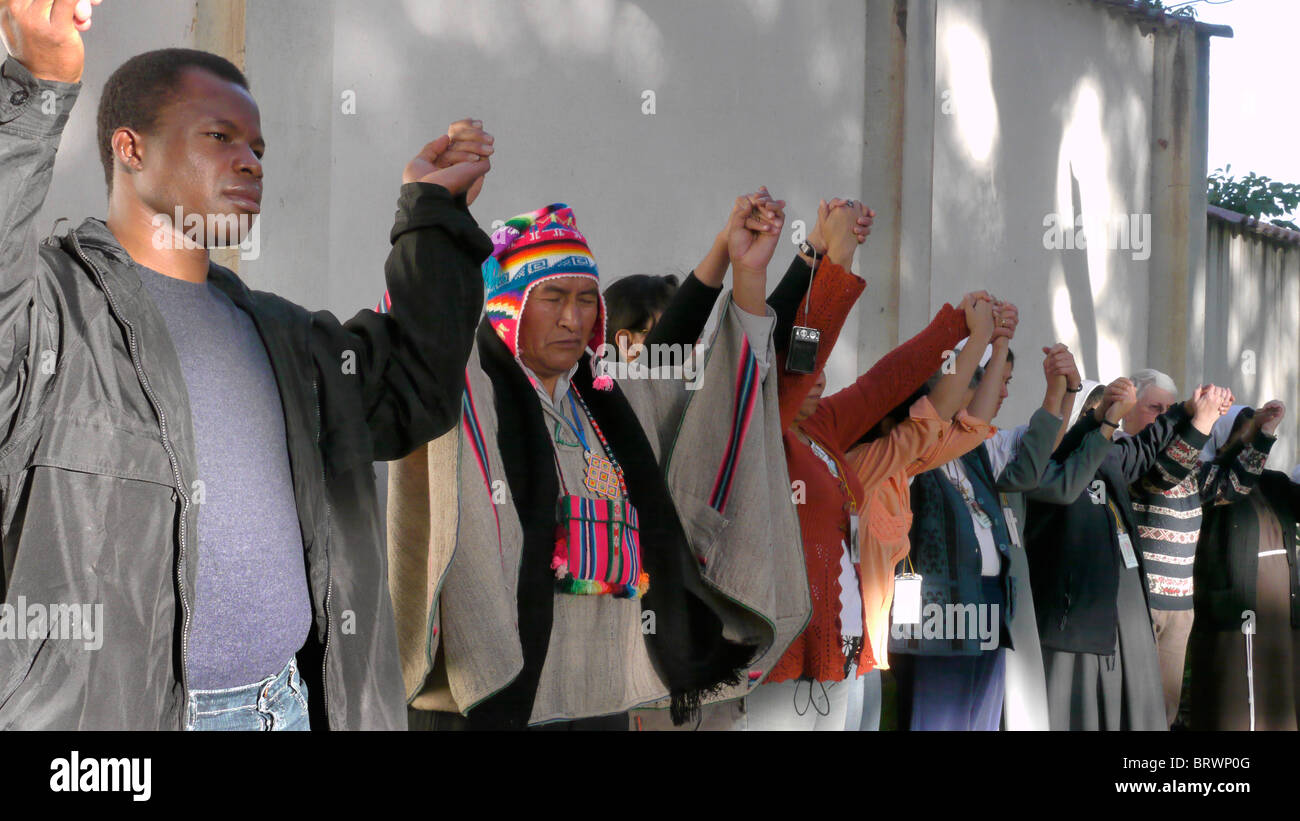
252,610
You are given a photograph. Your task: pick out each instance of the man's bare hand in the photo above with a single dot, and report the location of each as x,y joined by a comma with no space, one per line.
468,143
45,36
460,178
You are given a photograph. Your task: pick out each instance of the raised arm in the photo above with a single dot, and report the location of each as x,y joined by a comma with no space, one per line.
791,293
1135,456
687,313
1083,450
1181,456
835,289
948,395
750,251
38,84
1225,483
845,416
988,393
408,364
1025,469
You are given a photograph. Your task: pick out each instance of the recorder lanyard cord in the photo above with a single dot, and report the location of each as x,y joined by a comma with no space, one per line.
807,300
1250,675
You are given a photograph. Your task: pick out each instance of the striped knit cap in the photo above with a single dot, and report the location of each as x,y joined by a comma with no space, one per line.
532,248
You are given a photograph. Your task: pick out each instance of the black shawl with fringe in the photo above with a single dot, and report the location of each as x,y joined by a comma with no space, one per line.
687,646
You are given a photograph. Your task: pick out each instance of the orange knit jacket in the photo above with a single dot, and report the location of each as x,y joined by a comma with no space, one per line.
839,421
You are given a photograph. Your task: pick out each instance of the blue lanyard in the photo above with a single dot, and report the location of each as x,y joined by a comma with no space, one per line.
577,429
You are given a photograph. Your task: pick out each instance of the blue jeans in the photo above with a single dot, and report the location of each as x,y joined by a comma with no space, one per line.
276,702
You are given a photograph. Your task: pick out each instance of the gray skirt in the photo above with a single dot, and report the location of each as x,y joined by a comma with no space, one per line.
1122,691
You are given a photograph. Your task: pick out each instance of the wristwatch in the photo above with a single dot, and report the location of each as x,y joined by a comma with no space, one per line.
807,250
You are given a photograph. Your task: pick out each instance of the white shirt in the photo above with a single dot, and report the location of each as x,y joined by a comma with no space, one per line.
1002,448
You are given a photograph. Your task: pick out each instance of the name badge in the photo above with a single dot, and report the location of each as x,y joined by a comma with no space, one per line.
1013,527
1126,550
907,598
855,550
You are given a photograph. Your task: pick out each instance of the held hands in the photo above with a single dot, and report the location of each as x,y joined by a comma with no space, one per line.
469,143
1005,318
1226,399
458,160
967,304
841,226
45,36
753,232
978,307
844,228
761,216
758,214
1267,418
1119,398
1208,402
1058,364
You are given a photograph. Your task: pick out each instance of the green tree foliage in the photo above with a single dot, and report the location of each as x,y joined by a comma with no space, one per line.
1177,9
1254,196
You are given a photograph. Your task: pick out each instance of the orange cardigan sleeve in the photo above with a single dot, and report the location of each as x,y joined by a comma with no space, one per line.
964,435
843,417
834,291
908,443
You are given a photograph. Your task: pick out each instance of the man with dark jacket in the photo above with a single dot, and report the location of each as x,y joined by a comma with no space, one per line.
186,464
1099,650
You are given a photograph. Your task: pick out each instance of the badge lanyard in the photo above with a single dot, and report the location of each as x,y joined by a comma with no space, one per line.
1009,516
855,550
1125,542
603,476
968,496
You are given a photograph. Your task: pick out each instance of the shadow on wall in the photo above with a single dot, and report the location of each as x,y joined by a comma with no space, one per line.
746,92
1032,125
1078,285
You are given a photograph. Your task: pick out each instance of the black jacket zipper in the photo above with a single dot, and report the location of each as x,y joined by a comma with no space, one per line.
171,458
329,578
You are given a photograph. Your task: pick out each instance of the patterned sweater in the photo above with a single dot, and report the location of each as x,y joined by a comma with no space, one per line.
1167,509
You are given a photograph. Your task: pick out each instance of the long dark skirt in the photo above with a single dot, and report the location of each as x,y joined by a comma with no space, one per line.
1117,692
1220,694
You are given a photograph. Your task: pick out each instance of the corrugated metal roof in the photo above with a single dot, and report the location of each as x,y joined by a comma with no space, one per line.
1253,224
1131,8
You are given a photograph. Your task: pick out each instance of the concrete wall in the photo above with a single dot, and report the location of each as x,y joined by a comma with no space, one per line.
965,123
120,32
1033,112
746,93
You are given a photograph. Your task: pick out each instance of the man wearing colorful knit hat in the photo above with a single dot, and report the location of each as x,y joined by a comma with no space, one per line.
609,543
